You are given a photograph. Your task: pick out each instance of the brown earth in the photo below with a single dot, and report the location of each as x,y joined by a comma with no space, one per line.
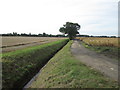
105,65
14,43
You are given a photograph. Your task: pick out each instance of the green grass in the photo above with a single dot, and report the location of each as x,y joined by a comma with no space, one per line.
64,71
20,66
111,52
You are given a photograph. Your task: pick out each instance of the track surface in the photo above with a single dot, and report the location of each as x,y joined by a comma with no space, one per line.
105,65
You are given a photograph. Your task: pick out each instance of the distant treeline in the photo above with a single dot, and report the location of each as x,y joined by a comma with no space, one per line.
96,36
49,35
34,35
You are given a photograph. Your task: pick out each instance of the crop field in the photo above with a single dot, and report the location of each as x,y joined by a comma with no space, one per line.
108,46
15,42
11,41
95,41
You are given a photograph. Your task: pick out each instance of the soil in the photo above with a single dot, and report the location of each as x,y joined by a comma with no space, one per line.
22,46
107,66
12,43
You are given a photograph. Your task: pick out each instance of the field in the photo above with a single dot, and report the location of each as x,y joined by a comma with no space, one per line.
110,47
14,43
95,41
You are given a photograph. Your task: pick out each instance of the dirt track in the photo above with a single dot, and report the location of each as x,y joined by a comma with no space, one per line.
107,66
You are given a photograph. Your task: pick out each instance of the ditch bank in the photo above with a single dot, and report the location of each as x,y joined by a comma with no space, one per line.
20,66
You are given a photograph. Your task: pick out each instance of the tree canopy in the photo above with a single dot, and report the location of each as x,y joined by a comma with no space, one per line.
71,29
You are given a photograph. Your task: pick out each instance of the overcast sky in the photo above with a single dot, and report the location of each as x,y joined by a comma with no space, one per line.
96,17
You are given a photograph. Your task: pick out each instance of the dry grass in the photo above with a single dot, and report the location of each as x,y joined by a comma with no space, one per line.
95,41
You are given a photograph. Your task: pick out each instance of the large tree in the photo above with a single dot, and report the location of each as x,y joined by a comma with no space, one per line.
71,29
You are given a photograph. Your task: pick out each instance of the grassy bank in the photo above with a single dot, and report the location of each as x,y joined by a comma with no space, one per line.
108,51
21,65
64,71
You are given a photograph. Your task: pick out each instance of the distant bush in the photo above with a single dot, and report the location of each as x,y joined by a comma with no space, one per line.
21,65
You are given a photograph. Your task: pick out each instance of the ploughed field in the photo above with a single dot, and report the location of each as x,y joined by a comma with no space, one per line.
14,43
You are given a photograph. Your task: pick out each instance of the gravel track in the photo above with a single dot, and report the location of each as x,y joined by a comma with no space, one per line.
105,65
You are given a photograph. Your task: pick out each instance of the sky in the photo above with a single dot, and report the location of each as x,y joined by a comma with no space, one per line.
96,17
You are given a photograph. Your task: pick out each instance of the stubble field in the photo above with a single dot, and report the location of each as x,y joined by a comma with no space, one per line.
15,43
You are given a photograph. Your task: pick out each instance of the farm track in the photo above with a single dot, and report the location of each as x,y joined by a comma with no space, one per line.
105,65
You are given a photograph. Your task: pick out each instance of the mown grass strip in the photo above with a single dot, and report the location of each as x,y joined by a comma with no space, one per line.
64,71
21,65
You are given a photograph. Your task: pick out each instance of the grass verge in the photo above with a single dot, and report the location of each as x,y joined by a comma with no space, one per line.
108,51
64,71
20,66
